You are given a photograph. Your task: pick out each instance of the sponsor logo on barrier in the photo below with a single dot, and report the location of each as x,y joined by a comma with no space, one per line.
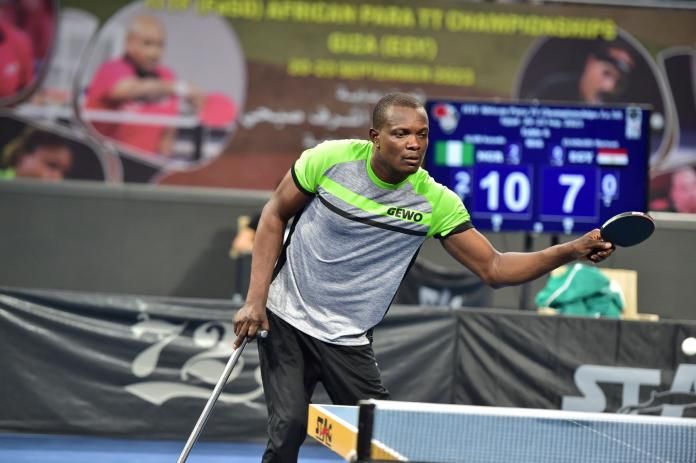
589,380
214,341
323,431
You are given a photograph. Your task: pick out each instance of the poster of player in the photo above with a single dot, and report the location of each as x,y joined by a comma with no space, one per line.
280,76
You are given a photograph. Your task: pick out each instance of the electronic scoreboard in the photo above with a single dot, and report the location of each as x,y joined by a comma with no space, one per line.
540,168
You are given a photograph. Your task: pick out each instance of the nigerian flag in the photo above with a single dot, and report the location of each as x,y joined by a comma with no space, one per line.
454,153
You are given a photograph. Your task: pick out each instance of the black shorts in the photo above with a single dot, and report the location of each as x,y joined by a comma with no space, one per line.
292,363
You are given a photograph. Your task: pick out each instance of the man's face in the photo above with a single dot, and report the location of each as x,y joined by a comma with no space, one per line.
601,77
400,144
46,163
683,191
145,45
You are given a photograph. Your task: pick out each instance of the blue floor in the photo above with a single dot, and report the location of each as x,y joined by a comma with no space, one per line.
34,448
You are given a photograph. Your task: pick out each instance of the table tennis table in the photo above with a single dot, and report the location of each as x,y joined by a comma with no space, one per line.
408,431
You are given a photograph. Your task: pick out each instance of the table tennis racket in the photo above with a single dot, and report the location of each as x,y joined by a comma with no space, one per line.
218,111
628,229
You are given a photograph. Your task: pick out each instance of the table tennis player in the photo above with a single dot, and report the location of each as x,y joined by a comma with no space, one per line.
139,83
36,154
361,210
603,77
16,58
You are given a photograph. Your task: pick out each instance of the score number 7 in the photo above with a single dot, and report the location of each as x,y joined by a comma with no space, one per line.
574,182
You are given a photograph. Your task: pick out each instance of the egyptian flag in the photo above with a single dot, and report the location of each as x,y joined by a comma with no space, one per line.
612,156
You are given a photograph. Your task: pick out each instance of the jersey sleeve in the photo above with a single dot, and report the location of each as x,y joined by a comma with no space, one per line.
311,166
104,81
449,216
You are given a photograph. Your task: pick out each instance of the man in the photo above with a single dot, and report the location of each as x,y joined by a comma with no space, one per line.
16,58
36,154
603,77
243,241
138,83
361,211
37,19
683,189
604,73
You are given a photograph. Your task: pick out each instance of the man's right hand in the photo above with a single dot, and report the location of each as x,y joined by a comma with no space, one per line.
195,96
248,321
591,247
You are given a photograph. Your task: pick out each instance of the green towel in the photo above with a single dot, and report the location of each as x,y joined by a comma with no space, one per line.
582,290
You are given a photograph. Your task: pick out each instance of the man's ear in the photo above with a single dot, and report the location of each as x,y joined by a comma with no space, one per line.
374,135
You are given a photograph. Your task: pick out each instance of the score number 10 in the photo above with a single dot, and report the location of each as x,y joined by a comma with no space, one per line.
510,190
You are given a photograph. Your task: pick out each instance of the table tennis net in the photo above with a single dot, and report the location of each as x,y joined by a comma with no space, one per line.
447,433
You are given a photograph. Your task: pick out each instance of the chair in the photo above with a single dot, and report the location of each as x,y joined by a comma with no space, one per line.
628,282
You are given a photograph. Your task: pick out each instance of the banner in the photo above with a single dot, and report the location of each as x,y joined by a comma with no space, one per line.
228,93
120,366
79,363
427,284
579,364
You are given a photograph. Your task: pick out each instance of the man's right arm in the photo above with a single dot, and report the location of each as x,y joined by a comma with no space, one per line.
286,201
133,87
130,88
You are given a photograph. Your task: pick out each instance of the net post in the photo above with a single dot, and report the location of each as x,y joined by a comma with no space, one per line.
366,415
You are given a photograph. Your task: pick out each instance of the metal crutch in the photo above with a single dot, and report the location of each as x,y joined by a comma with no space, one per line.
200,424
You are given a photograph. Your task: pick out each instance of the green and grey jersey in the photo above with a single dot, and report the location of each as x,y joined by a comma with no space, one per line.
350,247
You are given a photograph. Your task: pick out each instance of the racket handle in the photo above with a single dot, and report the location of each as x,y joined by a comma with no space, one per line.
262,333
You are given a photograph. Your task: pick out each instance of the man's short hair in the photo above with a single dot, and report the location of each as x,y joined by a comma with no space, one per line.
602,51
379,114
27,142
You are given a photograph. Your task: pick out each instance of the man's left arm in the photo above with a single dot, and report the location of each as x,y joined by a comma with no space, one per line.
474,251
